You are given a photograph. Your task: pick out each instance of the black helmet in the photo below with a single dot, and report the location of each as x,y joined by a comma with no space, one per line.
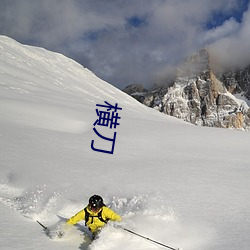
95,202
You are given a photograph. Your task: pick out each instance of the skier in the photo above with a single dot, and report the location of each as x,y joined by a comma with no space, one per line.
95,214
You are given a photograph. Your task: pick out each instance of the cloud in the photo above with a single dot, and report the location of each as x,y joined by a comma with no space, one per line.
228,28
233,49
121,41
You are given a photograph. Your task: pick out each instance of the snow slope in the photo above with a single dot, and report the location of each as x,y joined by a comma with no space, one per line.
176,183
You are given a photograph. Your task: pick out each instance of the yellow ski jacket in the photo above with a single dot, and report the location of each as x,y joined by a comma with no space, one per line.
94,223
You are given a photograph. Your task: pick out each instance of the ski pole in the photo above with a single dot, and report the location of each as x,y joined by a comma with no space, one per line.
45,228
146,238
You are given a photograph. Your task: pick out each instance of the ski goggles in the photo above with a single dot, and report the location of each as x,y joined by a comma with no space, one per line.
94,208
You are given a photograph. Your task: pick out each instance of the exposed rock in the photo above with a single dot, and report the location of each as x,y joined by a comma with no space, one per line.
133,88
201,97
137,91
237,81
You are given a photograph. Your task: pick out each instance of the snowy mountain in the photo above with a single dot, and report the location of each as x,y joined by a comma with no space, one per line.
183,185
237,81
201,96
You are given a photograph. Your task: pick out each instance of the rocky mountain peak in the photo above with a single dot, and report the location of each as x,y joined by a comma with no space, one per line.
200,96
196,64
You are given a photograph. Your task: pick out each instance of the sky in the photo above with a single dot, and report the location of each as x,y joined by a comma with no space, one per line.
132,41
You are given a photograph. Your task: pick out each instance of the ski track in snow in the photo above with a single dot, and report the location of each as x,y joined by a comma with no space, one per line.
144,214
